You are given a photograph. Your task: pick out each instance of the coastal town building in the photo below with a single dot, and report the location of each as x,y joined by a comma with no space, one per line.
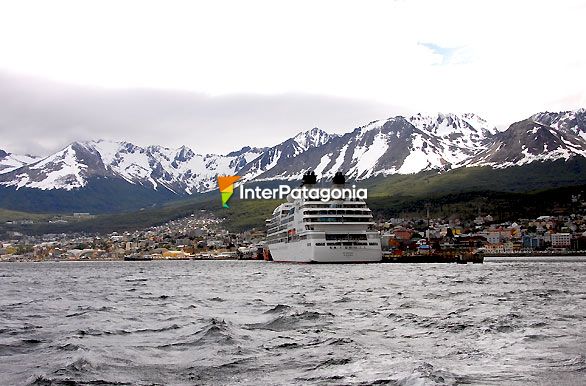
203,235
561,240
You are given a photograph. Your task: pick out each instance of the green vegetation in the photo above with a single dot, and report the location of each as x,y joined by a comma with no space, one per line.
101,195
12,215
506,194
241,215
247,214
501,205
535,176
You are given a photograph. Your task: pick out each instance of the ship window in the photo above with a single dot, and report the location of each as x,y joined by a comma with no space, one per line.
345,236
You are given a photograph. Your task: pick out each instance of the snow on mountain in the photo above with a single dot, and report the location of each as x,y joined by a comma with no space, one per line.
529,141
178,170
398,145
10,162
383,147
284,152
461,135
395,145
573,121
311,138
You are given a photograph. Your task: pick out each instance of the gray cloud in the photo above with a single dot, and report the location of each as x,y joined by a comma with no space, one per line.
39,116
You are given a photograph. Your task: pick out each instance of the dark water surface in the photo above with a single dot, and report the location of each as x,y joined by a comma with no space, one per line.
257,323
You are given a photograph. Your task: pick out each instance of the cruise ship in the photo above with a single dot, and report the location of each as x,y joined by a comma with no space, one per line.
304,230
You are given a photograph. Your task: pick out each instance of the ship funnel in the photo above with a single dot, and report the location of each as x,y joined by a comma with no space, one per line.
309,178
339,179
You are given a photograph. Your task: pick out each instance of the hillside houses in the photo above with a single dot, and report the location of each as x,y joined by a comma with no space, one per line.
542,234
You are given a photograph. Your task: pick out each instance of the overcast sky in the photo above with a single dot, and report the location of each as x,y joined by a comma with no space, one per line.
218,75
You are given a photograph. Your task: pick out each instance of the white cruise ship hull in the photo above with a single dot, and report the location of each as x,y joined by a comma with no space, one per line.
300,252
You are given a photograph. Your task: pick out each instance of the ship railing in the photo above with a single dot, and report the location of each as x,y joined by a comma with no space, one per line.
277,232
338,219
337,215
326,205
279,227
352,211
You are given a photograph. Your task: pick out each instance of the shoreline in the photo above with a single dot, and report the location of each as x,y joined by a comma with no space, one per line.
487,259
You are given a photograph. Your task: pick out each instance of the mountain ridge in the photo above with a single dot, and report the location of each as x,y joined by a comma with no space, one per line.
10,162
381,148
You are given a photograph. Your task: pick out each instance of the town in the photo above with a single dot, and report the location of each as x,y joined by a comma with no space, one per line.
204,236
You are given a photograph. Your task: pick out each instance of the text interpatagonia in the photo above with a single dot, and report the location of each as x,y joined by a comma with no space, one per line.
322,194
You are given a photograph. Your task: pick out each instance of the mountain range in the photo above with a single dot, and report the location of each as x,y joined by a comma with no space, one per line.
103,171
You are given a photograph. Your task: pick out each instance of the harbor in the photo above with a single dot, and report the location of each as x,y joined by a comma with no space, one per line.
205,236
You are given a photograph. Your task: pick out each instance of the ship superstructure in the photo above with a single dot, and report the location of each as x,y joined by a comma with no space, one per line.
315,231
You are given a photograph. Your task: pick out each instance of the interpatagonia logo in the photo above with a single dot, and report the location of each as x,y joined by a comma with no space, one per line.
226,185
304,192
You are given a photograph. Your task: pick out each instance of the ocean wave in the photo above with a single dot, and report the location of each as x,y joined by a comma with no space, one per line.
69,347
283,330
216,299
82,310
343,299
427,374
143,330
279,308
42,380
293,321
332,362
19,346
576,363
501,324
217,332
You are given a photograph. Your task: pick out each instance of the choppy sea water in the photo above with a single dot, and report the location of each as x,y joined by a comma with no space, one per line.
257,323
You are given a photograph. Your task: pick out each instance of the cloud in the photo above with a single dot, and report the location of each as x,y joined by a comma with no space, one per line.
335,63
38,116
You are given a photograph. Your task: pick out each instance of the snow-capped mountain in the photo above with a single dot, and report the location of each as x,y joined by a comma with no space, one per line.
398,145
178,170
10,162
528,141
462,135
283,153
573,121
